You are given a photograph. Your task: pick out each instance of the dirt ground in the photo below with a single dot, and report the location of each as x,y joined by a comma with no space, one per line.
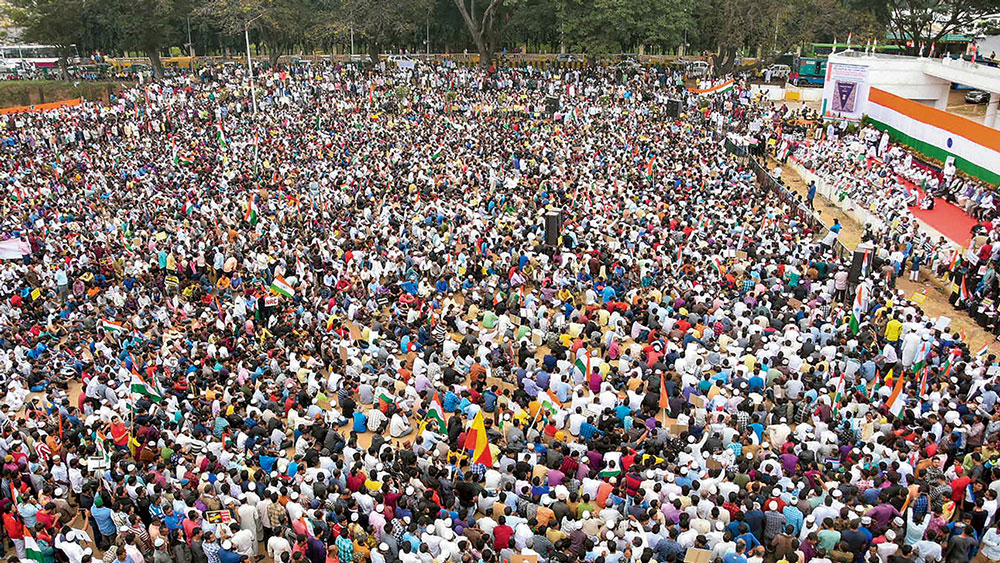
935,288
957,105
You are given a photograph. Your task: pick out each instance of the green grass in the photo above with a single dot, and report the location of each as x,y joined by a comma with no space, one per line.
29,92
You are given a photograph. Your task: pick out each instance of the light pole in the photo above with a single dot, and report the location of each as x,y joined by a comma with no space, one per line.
190,44
246,35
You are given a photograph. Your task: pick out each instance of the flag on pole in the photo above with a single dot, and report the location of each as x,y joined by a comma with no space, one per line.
983,351
280,286
435,412
664,403
785,149
923,384
475,440
15,495
964,296
839,394
146,388
896,400
955,255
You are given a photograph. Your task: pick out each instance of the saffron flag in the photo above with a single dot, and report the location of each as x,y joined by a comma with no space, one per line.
664,403
475,440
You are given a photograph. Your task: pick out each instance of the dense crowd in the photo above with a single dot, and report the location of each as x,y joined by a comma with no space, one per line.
870,173
332,331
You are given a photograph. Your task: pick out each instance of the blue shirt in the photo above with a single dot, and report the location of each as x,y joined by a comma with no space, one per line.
588,431
102,515
360,422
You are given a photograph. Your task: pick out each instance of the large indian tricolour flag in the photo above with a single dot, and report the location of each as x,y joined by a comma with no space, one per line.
717,89
938,134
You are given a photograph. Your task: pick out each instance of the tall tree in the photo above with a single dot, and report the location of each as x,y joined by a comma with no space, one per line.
280,24
927,21
50,22
485,21
378,23
146,25
617,26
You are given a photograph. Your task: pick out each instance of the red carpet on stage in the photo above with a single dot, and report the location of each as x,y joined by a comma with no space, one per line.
948,219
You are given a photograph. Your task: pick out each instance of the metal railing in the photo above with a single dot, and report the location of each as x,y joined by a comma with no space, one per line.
798,208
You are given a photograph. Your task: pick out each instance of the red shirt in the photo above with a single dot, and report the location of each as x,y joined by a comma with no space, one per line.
958,488
501,536
15,529
45,519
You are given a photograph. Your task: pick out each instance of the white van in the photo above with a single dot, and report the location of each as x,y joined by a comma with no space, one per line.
697,68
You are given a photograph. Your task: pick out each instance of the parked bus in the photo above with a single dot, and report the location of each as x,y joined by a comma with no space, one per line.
809,69
39,56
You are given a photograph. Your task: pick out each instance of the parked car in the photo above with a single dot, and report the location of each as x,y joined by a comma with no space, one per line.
403,61
697,68
629,65
568,58
780,71
977,97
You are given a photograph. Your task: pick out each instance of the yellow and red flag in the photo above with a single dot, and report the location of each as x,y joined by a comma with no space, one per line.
475,440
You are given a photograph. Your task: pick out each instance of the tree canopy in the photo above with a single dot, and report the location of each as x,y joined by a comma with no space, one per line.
726,28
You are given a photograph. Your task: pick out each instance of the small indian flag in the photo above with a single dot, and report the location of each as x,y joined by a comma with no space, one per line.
111,326
280,286
858,308
185,159
896,401
435,413
148,389
31,549
220,134
839,394
719,268
580,365
650,166
983,351
251,213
